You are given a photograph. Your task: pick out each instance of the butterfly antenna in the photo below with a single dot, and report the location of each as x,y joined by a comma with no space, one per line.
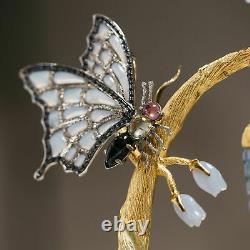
134,71
150,91
144,93
166,84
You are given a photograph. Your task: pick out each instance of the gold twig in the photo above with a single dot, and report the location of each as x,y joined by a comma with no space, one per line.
163,171
138,204
173,160
191,164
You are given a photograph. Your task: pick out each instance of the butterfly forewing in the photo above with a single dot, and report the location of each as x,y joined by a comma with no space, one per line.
108,57
80,113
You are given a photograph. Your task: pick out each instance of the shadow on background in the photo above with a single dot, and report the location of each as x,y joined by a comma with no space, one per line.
64,212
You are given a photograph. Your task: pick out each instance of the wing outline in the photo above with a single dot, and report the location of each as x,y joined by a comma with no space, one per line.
48,159
98,20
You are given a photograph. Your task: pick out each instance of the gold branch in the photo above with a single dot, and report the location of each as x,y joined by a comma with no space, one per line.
172,160
181,103
138,204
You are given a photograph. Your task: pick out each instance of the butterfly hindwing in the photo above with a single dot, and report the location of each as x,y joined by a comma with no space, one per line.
108,57
79,114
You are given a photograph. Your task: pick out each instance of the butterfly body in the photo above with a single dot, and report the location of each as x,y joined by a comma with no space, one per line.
132,137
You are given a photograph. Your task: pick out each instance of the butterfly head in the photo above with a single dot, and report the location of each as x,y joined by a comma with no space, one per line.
152,110
149,108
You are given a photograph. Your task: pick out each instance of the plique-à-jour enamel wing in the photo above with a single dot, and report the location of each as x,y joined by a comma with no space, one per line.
84,107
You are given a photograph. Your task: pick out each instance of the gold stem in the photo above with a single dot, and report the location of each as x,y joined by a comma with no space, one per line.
191,164
163,171
138,204
173,160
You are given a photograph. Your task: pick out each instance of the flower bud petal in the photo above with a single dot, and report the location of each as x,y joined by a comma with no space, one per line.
193,214
212,184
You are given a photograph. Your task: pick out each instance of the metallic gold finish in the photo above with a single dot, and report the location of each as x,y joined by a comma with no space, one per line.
172,160
191,164
177,200
163,171
166,84
195,164
245,141
138,204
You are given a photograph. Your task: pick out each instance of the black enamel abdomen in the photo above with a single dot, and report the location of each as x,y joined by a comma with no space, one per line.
118,150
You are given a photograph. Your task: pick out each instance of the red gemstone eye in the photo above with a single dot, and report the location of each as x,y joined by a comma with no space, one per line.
152,110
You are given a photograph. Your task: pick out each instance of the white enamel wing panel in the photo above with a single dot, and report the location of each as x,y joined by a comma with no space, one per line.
40,79
67,78
88,140
72,95
77,128
70,155
98,114
104,127
53,119
57,143
72,112
77,112
95,96
121,75
116,45
50,97
110,82
108,57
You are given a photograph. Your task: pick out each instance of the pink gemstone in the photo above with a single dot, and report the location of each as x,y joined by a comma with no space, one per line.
152,110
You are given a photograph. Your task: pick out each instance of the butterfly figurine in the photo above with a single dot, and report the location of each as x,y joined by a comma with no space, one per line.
83,108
